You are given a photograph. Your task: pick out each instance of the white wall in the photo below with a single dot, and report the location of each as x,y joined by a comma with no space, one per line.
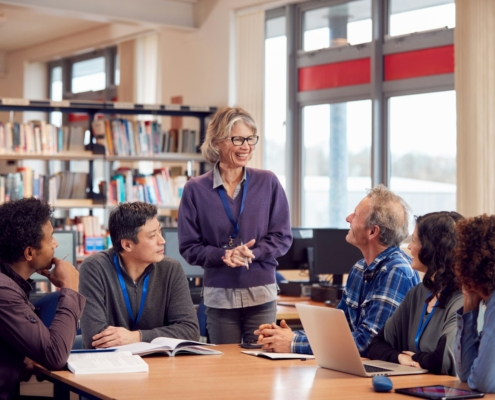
196,64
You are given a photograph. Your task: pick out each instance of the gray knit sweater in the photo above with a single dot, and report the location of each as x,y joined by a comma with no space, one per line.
168,310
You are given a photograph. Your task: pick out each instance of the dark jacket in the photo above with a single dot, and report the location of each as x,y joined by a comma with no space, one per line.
22,334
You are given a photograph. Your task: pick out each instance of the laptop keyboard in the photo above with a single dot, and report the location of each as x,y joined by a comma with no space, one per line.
372,368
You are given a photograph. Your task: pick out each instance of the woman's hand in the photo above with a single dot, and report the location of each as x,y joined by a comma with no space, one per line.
406,359
240,256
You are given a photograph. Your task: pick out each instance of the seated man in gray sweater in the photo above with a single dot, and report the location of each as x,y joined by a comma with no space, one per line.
134,292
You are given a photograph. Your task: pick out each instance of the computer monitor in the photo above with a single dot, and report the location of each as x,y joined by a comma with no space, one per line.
172,250
332,254
297,256
66,248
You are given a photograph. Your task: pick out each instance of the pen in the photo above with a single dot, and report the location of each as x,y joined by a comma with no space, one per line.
52,268
245,258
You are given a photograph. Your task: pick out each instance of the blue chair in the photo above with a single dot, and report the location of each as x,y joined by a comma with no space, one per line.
46,308
203,331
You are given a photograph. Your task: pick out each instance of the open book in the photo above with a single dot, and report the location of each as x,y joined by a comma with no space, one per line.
168,346
279,356
103,362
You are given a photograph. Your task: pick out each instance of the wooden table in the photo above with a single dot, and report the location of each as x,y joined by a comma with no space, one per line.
233,376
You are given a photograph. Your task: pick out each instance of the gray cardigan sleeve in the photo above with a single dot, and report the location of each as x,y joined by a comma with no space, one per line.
91,286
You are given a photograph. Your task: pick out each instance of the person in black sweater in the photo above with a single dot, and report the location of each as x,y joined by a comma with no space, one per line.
421,332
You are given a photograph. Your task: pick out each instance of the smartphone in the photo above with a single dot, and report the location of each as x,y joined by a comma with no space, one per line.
438,392
251,345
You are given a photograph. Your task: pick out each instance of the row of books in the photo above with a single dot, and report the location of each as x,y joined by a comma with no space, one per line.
25,183
28,183
38,137
122,137
158,188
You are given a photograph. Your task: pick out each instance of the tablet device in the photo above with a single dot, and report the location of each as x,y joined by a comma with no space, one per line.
440,392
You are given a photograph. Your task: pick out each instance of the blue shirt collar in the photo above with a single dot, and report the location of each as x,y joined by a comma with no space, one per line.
378,260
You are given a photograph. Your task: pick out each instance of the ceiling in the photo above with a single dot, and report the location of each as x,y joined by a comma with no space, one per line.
28,25
22,27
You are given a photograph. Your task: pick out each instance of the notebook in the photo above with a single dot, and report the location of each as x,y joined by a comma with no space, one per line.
334,348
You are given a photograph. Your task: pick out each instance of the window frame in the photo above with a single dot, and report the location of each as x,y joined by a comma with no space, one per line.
107,94
378,90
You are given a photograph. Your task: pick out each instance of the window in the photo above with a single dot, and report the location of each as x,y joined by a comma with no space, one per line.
408,16
343,24
353,121
88,75
337,161
275,98
56,93
423,150
91,76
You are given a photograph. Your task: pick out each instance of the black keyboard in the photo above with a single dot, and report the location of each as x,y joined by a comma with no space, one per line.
372,368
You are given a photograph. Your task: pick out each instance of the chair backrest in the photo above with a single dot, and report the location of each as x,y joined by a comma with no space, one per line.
202,319
46,307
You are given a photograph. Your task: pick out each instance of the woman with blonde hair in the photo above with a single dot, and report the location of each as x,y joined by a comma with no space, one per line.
234,222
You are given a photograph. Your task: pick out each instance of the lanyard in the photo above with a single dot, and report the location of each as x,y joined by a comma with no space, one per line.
422,324
223,196
134,321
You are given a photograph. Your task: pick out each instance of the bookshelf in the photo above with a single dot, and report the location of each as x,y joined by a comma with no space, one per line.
95,151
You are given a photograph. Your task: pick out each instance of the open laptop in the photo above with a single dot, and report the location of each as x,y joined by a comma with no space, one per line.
334,348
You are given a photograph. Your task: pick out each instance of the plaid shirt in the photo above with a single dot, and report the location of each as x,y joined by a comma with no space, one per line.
371,295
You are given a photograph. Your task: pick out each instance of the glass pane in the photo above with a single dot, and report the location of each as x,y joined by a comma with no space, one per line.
117,70
56,93
408,16
88,75
343,24
423,150
337,161
275,98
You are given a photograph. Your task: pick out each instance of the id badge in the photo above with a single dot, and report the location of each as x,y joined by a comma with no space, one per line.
232,243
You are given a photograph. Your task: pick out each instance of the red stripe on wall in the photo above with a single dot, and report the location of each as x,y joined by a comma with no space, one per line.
414,64
327,76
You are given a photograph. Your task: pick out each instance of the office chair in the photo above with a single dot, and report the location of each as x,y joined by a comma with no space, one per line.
203,331
46,307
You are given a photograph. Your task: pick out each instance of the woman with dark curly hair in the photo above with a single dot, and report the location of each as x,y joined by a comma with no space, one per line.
475,267
421,331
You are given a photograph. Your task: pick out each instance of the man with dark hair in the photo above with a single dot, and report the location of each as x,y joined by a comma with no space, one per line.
376,285
134,292
27,246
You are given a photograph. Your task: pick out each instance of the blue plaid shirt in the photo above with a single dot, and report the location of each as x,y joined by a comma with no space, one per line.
371,295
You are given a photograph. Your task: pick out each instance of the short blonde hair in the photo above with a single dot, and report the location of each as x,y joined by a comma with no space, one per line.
220,128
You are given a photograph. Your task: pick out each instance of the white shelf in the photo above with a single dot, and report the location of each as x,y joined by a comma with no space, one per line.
82,156
87,156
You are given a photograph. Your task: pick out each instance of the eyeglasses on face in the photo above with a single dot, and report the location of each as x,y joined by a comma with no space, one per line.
239,140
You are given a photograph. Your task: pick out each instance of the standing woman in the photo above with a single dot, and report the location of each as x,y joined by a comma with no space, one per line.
421,332
234,222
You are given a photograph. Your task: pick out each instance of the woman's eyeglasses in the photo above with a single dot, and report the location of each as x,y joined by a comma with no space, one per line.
239,140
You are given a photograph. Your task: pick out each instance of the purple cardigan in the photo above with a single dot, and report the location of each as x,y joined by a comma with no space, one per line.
204,227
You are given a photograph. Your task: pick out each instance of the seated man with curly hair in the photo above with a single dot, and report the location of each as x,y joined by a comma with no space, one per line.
27,246
475,267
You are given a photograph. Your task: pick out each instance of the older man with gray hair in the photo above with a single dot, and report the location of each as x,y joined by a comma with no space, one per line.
376,285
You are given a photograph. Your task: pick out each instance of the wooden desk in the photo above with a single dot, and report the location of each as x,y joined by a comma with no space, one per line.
235,376
289,312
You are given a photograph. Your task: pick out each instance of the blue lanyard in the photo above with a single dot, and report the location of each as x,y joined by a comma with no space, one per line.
134,321
422,324
223,196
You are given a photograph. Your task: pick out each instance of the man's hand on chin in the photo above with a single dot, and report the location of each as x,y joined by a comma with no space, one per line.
115,336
